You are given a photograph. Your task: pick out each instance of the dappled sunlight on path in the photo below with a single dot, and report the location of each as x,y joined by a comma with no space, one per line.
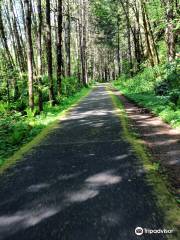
162,140
82,182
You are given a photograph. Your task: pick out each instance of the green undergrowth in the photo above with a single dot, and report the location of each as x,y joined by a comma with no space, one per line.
164,199
20,133
157,89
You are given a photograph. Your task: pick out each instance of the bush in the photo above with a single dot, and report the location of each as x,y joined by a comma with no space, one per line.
70,85
170,82
142,82
17,128
175,96
19,132
20,105
162,88
158,89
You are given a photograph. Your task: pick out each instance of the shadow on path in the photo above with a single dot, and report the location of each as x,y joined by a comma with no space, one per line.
82,182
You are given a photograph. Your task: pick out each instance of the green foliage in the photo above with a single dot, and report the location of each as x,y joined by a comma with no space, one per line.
70,85
20,105
17,129
156,15
175,97
3,107
8,76
161,88
141,83
158,89
126,67
105,13
162,48
169,81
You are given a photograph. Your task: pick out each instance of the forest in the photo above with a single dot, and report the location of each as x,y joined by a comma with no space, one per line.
53,51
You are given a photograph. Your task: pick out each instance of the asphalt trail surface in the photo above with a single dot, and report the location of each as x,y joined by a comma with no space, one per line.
83,182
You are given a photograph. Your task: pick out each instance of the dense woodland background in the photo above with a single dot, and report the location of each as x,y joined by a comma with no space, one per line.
52,49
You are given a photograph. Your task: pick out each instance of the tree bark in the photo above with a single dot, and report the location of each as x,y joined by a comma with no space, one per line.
118,47
151,34
39,55
29,53
20,52
170,36
59,45
4,40
150,54
84,22
68,40
49,53
129,41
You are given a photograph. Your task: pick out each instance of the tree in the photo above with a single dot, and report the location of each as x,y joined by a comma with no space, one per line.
59,45
170,35
49,53
69,43
29,53
20,52
68,39
82,39
39,55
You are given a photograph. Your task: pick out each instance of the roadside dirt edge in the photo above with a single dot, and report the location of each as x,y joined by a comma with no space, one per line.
162,141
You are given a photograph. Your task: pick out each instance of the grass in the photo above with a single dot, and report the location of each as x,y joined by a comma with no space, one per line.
141,90
164,199
20,133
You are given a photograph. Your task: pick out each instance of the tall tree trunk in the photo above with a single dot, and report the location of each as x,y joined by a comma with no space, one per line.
78,51
83,57
20,52
129,31
137,35
4,39
39,55
29,53
23,14
59,45
118,47
151,34
129,40
146,31
12,35
81,40
9,57
170,35
68,40
49,53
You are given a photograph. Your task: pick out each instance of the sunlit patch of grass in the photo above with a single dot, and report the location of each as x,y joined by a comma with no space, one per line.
142,90
164,199
20,133
159,105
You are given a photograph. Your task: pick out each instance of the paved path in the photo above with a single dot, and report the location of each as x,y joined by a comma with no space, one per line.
83,182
